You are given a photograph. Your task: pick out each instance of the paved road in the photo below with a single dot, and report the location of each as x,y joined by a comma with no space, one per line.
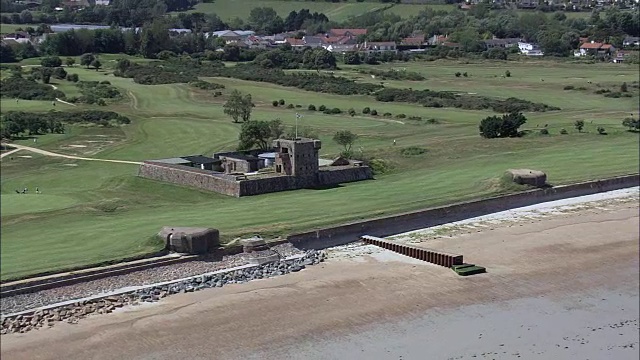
49,153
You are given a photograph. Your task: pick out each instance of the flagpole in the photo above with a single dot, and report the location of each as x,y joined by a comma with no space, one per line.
296,126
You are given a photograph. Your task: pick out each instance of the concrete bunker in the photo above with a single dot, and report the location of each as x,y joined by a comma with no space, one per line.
527,177
190,240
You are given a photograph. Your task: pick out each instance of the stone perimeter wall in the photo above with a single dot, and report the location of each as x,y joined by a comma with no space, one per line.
228,185
391,225
182,175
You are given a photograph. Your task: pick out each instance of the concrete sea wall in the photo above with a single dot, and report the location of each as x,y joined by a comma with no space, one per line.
391,225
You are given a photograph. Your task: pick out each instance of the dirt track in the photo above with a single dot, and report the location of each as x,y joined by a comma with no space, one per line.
557,258
49,153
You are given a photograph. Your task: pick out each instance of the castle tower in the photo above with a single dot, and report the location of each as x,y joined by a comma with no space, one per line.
296,157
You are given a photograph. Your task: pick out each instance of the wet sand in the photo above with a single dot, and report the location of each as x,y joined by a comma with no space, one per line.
564,287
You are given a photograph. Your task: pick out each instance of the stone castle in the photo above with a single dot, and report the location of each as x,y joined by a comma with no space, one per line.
291,164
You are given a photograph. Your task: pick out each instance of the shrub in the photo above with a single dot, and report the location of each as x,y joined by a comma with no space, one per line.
217,93
290,106
59,73
416,118
387,114
274,103
413,151
601,130
430,98
336,111
51,61
366,110
298,106
105,82
101,102
544,132
569,87
465,74
563,131
458,74
433,121
205,85
311,107
602,91
166,55
623,87
21,88
631,123
502,127
401,116
322,108
73,77
614,95
351,112
379,166
374,112
281,102
507,73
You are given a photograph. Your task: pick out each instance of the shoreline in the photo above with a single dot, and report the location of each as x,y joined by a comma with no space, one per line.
541,267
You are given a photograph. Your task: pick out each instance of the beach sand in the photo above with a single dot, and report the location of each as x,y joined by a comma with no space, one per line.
557,287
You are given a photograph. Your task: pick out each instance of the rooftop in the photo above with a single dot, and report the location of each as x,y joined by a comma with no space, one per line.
175,161
200,159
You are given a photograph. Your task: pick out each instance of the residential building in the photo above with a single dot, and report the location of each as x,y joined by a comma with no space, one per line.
313,41
595,48
295,43
502,43
529,49
347,32
437,40
20,37
341,48
379,47
631,41
417,40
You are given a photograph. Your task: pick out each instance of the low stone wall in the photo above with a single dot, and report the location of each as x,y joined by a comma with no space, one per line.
391,225
325,177
182,175
342,175
228,185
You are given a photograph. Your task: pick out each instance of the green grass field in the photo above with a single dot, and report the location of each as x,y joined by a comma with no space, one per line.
229,9
92,212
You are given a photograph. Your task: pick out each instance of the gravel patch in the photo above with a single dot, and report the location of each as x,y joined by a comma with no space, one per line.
73,312
41,298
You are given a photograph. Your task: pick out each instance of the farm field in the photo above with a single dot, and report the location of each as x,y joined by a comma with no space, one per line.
341,11
91,212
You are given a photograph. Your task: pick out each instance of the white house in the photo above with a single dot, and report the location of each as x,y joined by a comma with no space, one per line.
529,49
340,48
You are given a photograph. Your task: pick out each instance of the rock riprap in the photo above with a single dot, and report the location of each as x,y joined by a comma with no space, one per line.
75,311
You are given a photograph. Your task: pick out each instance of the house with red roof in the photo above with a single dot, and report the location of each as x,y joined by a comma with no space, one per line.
347,32
595,48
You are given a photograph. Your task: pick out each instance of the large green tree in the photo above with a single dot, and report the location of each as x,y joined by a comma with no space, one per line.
238,106
259,134
346,139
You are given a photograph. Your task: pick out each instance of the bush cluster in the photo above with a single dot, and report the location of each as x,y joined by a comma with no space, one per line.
182,71
431,98
205,85
21,88
15,123
94,92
